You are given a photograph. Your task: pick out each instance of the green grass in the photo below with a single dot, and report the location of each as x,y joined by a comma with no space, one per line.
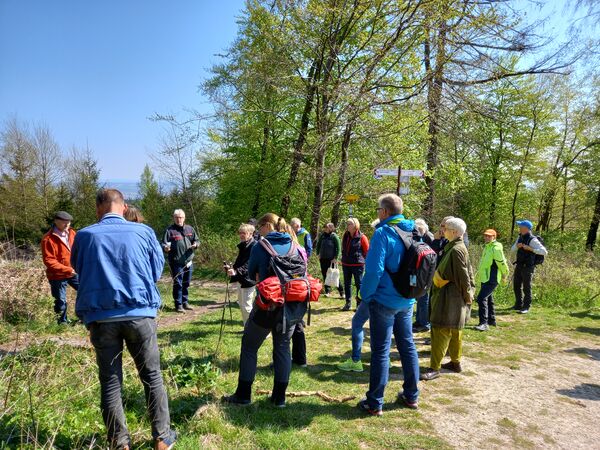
52,392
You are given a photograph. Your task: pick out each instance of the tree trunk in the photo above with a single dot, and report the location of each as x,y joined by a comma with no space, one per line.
593,231
260,175
520,177
339,193
434,100
313,75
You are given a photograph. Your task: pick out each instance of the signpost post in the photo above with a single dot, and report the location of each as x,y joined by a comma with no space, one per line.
351,199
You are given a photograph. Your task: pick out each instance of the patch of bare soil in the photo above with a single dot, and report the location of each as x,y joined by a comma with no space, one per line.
542,400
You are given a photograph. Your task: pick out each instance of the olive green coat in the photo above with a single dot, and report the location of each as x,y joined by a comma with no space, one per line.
451,304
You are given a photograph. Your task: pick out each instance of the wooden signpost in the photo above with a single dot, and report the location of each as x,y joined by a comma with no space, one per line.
403,177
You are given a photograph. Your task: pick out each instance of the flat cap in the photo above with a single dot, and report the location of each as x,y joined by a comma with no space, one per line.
63,215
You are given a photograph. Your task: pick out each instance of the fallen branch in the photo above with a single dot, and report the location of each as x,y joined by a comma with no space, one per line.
322,395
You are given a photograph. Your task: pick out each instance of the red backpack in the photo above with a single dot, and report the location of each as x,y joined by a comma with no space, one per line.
291,282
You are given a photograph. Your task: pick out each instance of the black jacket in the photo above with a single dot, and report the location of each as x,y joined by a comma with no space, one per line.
181,239
241,264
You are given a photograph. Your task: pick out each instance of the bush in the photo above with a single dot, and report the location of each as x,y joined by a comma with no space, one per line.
24,291
567,279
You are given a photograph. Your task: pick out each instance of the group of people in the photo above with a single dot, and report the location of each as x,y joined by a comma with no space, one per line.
114,266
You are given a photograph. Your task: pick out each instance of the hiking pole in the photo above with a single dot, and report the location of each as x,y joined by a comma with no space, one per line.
222,328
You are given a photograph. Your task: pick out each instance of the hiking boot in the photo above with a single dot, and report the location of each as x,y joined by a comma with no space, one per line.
346,307
187,307
482,327
524,311
233,399
402,400
300,364
166,443
517,307
363,405
350,366
452,366
492,324
419,329
429,374
179,309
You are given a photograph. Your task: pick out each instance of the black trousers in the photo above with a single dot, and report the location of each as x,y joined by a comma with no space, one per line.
522,285
299,345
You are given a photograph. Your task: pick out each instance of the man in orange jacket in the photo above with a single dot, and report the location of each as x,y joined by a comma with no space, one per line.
56,253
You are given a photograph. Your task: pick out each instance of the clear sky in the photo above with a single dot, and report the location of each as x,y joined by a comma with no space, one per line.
94,71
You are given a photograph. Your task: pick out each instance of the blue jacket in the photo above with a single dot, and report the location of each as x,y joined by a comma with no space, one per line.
259,262
118,263
305,240
386,251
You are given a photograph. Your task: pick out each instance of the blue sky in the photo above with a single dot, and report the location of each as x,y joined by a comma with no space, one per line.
94,71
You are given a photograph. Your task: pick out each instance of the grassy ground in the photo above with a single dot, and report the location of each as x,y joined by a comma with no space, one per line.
49,392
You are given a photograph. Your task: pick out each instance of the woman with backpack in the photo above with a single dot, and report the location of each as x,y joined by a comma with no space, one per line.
265,319
329,250
355,247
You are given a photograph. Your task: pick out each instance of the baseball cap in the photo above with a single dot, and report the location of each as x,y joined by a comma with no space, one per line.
63,215
490,232
525,223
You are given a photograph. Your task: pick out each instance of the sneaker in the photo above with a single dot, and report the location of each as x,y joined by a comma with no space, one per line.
517,307
303,365
166,443
419,329
482,327
364,407
524,311
492,324
346,307
180,309
278,403
452,366
429,374
402,400
235,400
187,307
351,366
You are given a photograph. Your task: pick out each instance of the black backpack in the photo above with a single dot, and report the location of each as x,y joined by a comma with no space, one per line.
415,274
539,259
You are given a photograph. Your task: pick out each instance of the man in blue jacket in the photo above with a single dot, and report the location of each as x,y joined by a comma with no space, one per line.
389,312
119,263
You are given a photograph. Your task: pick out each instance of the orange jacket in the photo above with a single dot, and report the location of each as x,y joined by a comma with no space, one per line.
57,256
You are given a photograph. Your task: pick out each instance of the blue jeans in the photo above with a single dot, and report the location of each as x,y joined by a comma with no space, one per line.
358,334
383,321
422,318
182,276
58,289
349,272
485,299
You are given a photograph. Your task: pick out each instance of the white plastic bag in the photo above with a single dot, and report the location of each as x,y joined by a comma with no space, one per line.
333,276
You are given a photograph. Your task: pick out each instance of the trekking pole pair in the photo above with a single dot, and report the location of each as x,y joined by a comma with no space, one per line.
226,302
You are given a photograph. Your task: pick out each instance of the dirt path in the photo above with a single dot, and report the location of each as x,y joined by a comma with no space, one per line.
550,401
21,341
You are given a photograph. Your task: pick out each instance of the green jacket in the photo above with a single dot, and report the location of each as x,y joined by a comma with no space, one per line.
492,251
451,304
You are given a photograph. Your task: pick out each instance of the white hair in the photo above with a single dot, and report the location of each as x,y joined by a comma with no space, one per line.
179,212
421,226
457,225
295,221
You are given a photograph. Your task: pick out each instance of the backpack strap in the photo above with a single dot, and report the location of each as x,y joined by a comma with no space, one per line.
268,247
403,236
